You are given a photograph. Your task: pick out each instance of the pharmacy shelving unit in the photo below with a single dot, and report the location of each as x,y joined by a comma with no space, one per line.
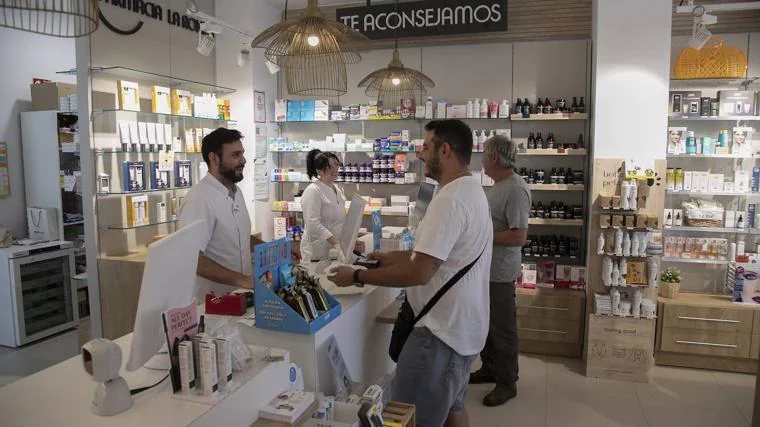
701,328
51,154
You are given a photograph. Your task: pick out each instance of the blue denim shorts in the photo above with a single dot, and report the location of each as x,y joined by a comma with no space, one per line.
432,376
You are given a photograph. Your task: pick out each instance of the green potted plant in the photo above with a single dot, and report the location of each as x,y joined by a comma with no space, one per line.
670,283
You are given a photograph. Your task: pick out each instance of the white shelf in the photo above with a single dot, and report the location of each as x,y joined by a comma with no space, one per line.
629,256
366,213
557,187
694,261
552,152
556,222
553,116
727,230
714,119
710,156
707,193
615,227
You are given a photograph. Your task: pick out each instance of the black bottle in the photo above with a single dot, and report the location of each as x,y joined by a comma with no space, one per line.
527,109
539,106
574,107
524,174
532,213
561,177
569,176
553,176
518,106
550,141
562,246
582,106
539,210
531,177
540,141
580,141
540,176
553,246
531,141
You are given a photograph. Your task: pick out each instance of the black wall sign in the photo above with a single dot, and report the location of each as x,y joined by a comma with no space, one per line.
426,18
150,10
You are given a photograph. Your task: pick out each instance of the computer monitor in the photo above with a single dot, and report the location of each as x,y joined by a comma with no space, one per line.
168,281
351,227
424,196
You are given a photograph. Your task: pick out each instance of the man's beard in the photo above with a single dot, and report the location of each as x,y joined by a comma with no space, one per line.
230,174
433,167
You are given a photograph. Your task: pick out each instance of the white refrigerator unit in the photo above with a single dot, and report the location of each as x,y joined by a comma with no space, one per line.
37,298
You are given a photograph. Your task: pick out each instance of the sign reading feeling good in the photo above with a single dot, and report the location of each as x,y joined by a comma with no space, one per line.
426,18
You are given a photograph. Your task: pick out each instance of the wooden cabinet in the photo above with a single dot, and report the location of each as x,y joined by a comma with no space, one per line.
708,331
550,321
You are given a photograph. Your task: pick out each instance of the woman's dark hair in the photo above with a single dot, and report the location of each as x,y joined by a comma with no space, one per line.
318,160
213,142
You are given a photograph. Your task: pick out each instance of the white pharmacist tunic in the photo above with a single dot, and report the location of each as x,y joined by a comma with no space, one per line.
324,211
228,229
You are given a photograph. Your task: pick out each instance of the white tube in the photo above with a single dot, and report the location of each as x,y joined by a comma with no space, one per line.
627,244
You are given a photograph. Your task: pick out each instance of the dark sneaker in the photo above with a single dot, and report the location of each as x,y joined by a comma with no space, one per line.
480,377
500,395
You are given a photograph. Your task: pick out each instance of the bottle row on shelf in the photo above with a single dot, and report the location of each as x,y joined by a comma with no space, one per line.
556,210
682,141
700,248
179,102
551,246
525,108
624,243
727,103
626,272
555,176
624,302
677,179
537,142
547,273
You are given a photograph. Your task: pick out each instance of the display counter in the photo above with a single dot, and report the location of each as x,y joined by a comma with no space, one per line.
61,396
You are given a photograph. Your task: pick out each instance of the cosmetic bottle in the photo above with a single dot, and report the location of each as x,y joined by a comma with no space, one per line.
475,140
691,143
540,141
429,108
539,106
580,143
553,176
531,141
504,109
518,106
470,105
635,241
526,109
615,277
561,105
619,242
582,106
540,176
550,141
548,106
562,176
625,189
627,244
482,139
623,272
607,271
600,244
476,109
574,107
484,109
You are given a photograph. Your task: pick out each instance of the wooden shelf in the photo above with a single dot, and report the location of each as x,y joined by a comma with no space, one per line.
560,222
552,152
553,116
557,187
727,230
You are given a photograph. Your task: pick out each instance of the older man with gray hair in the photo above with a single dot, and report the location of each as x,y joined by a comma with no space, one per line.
509,201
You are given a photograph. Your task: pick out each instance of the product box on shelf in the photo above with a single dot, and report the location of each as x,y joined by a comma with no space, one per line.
137,210
182,102
620,348
161,101
280,110
736,102
159,179
272,271
133,176
183,173
129,95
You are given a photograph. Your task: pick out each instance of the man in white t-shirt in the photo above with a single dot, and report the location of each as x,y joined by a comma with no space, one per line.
434,365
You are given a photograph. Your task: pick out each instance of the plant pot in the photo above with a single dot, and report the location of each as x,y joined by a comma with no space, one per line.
669,290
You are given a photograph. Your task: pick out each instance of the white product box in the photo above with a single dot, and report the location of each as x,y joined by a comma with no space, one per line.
280,110
420,112
741,181
704,181
728,187
410,177
716,183
668,217
321,104
399,200
161,212
405,135
321,115
209,377
677,217
186,365
280,227
440,112
456,111
687,180
363,112
730,219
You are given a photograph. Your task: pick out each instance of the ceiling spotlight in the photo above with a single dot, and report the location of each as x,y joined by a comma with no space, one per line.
312,41
396,81
206,43
700,34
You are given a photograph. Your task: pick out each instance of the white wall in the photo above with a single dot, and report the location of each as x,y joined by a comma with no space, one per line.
631,78
253,17
26,56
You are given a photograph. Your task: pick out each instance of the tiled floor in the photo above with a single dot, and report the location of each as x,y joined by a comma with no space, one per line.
552,391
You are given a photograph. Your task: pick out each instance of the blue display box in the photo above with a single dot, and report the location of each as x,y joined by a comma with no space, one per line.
273,258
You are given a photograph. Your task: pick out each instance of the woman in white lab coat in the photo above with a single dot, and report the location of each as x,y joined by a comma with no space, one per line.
323,206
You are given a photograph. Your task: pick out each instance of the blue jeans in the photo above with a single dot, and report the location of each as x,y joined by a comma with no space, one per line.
432,376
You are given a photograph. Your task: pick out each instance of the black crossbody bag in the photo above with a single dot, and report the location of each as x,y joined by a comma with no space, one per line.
406,320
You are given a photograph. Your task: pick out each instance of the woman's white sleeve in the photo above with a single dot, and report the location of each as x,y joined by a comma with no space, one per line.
311,202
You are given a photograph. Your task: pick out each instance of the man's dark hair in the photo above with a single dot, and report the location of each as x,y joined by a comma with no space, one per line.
213,142
454,132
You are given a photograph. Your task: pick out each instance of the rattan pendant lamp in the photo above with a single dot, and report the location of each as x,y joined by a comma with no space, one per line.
59,18
394,83
312,52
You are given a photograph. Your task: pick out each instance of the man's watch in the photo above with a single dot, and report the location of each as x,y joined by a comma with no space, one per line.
357,281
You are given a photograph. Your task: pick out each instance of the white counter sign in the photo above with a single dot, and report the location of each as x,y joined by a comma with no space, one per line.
426,18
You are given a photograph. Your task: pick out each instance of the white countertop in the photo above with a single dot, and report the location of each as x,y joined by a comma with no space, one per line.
61,396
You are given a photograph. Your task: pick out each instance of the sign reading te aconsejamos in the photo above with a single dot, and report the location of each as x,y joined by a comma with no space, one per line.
426,18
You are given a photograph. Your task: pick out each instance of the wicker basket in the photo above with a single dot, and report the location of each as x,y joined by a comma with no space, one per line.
691,222
713,60
669,290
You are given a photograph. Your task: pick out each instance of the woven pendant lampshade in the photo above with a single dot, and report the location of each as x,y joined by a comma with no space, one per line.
59,18
312,52
395,82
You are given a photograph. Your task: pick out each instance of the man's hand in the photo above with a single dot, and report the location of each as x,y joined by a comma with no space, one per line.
381,258
342,276
244,281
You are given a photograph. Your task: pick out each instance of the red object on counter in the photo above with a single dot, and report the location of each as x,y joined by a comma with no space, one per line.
232,304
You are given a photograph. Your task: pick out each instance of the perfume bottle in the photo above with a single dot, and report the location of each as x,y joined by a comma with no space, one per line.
548,106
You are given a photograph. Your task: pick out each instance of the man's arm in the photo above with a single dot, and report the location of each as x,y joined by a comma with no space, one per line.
390,258
211,270
416,271
513,237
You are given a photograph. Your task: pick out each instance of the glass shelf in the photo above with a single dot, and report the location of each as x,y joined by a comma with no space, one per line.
717,82
122,193
726,230
695,261
120,151
150,113
128,227
709,156
148,78
410,119
714,119
346,183
707,193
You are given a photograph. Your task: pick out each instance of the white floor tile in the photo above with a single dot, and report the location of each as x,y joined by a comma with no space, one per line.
692,416
567,377
740,389
694,389
528,409
581,410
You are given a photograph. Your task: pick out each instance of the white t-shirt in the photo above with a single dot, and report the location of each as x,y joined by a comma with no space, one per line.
228,229
456,229
324,212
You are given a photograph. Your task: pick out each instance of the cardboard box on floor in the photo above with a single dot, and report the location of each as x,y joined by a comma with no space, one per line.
620,348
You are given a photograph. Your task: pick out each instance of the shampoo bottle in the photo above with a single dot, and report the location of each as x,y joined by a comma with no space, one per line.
429,108
484,109
476,108
504,109
470,106
627,244
623,272
600,244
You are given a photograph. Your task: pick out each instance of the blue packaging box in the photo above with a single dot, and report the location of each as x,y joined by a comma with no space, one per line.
755,179
307,115
307,105
294,105
293,116
751,209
